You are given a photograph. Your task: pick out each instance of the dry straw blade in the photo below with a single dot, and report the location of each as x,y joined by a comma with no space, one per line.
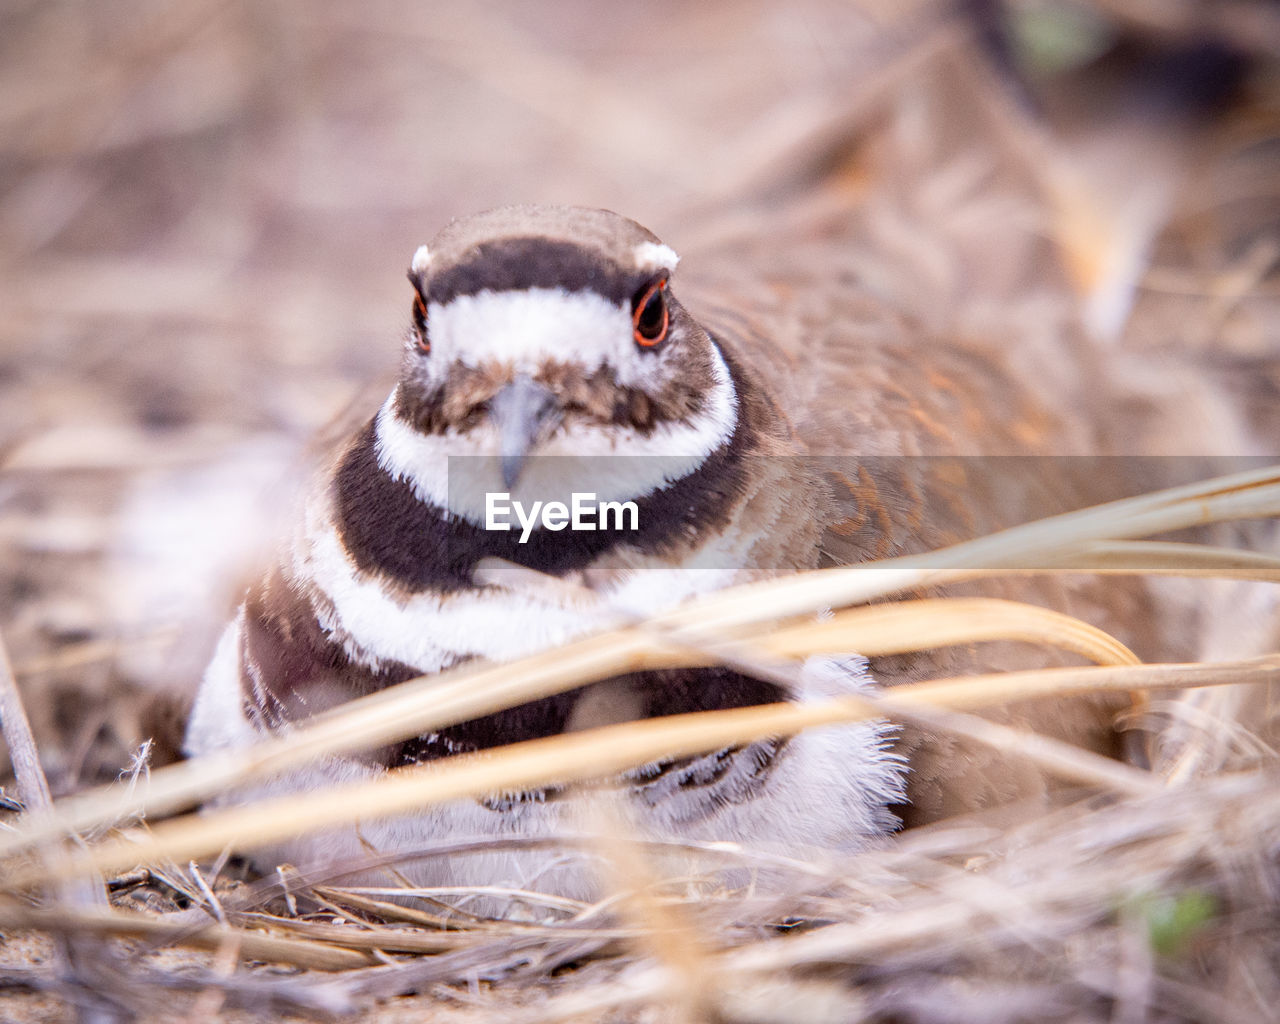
252,943
472,692
603,752
1174,558
1044,543
430,703
939,622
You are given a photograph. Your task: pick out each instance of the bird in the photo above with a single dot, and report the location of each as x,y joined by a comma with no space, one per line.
778,424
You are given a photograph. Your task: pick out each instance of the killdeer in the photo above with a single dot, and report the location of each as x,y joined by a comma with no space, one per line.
538,332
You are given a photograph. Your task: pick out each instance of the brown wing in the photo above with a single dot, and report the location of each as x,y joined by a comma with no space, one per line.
920,422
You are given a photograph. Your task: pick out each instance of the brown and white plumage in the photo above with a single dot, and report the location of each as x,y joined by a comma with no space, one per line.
542,331
528,338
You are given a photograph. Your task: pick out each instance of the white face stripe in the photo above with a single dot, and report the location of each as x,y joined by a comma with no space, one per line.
423,460
526,328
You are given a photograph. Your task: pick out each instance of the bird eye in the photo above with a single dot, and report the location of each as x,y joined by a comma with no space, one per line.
420,322
650,318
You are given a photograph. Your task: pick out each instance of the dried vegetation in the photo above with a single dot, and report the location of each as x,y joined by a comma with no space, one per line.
206,212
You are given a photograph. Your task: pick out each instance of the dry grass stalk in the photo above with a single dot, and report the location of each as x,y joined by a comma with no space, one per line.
662,929
92,652
890,628
1173,558
33,787
361,898
1247,495
595,754
905,626
421,705
254,944
387,938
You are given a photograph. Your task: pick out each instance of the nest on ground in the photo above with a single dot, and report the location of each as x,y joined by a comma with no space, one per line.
1154,895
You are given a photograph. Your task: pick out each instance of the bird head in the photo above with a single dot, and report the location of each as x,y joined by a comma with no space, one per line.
552,331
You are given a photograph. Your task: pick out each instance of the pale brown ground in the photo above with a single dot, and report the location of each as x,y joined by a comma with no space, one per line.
205,215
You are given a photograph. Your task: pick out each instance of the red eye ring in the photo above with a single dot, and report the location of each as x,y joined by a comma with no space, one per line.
420,323
650,317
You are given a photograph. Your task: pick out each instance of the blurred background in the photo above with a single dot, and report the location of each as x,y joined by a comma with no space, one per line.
207,209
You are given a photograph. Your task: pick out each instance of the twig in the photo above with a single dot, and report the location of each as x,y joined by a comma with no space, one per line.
33,787
215,907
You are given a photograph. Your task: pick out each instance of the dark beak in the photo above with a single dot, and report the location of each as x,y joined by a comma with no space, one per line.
522,410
